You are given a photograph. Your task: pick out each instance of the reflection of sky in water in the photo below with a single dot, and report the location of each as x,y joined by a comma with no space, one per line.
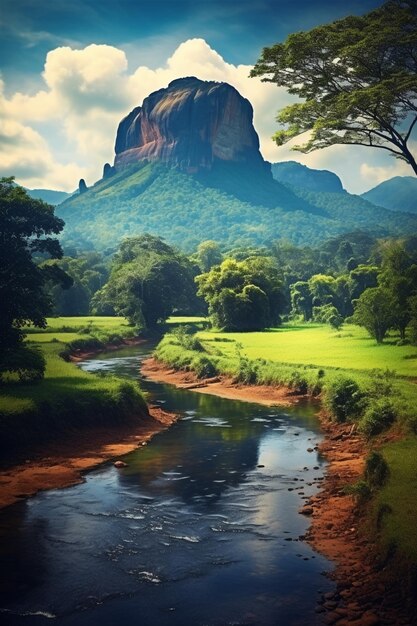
191,532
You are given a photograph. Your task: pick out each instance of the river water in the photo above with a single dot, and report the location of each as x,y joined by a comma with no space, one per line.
201,528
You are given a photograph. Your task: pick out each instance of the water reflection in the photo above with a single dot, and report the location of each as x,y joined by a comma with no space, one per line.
201,527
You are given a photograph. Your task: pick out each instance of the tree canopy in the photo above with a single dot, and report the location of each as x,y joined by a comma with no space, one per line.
148,281
243,295
358,80
27,229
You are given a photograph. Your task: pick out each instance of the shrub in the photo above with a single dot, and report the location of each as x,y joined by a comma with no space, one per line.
27,362
344,399
376,470
298,383
203,367
381,383
247,372
379,416
360,491
184,337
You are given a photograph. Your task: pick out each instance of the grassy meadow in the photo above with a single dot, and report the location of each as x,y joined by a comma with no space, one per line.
309,358
67,398
351,348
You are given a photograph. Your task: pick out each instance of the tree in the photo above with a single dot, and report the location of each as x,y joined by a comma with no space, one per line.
243,295
399,276
357,77
208,254
374,311
27,227
302,299
89,273
148,281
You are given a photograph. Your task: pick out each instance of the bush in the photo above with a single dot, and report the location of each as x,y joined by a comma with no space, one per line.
378,417
360,491
184,337
27,362
247,372
203,367
376,470
298,383
344,399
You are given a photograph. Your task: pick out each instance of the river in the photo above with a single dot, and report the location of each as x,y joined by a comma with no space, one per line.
201,528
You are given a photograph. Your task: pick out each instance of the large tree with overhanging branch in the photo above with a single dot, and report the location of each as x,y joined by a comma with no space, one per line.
358,80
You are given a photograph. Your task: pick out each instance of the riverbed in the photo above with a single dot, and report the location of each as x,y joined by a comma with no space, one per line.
202,526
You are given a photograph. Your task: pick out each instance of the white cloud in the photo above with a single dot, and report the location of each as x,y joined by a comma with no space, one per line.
25,154
67,130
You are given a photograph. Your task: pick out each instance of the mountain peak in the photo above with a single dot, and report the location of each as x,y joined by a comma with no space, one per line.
191,124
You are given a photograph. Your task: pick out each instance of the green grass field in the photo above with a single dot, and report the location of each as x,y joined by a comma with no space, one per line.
319,345
67,397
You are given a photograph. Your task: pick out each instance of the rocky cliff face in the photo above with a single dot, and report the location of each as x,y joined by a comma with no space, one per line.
191,124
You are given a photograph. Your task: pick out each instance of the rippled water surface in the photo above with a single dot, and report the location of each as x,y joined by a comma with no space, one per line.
201,528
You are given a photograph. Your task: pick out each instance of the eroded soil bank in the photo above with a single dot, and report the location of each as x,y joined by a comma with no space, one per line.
62,463
366,594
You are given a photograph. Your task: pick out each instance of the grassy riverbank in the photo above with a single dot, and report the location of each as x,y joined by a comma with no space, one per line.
313,359
68,399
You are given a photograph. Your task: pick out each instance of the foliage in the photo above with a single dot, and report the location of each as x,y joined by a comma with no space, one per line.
243,295
379,415
186,211
302,299
67,398
399,277
89,273
27,362
27,228
328,314
360,491
344,399
208,254
148,281
357,77
374,311
376,470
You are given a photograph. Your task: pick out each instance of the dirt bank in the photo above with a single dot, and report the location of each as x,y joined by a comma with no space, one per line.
365,595
223,387
63,463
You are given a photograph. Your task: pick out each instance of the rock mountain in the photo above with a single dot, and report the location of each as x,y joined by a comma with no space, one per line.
191,124
188,168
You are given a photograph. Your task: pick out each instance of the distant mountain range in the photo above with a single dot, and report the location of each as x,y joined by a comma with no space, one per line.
295,174
188,168
48,195
397,194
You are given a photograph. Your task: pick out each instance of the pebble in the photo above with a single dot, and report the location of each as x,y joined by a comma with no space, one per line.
120,464
307,510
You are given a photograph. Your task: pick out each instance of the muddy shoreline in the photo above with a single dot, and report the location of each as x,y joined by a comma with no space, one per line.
365,594
63,463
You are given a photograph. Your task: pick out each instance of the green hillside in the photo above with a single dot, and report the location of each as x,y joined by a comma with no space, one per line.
228,205
398,194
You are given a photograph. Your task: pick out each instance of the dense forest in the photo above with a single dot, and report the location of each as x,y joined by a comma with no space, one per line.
228,205
248,288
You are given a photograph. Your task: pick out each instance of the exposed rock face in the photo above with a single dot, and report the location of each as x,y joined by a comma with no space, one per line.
190,124
82,187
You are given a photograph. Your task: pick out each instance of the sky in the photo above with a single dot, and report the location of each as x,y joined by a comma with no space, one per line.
71,70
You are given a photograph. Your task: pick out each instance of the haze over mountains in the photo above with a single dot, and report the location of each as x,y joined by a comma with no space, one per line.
398,194
188,168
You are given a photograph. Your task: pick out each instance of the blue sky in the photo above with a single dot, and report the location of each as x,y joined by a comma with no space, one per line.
72,69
